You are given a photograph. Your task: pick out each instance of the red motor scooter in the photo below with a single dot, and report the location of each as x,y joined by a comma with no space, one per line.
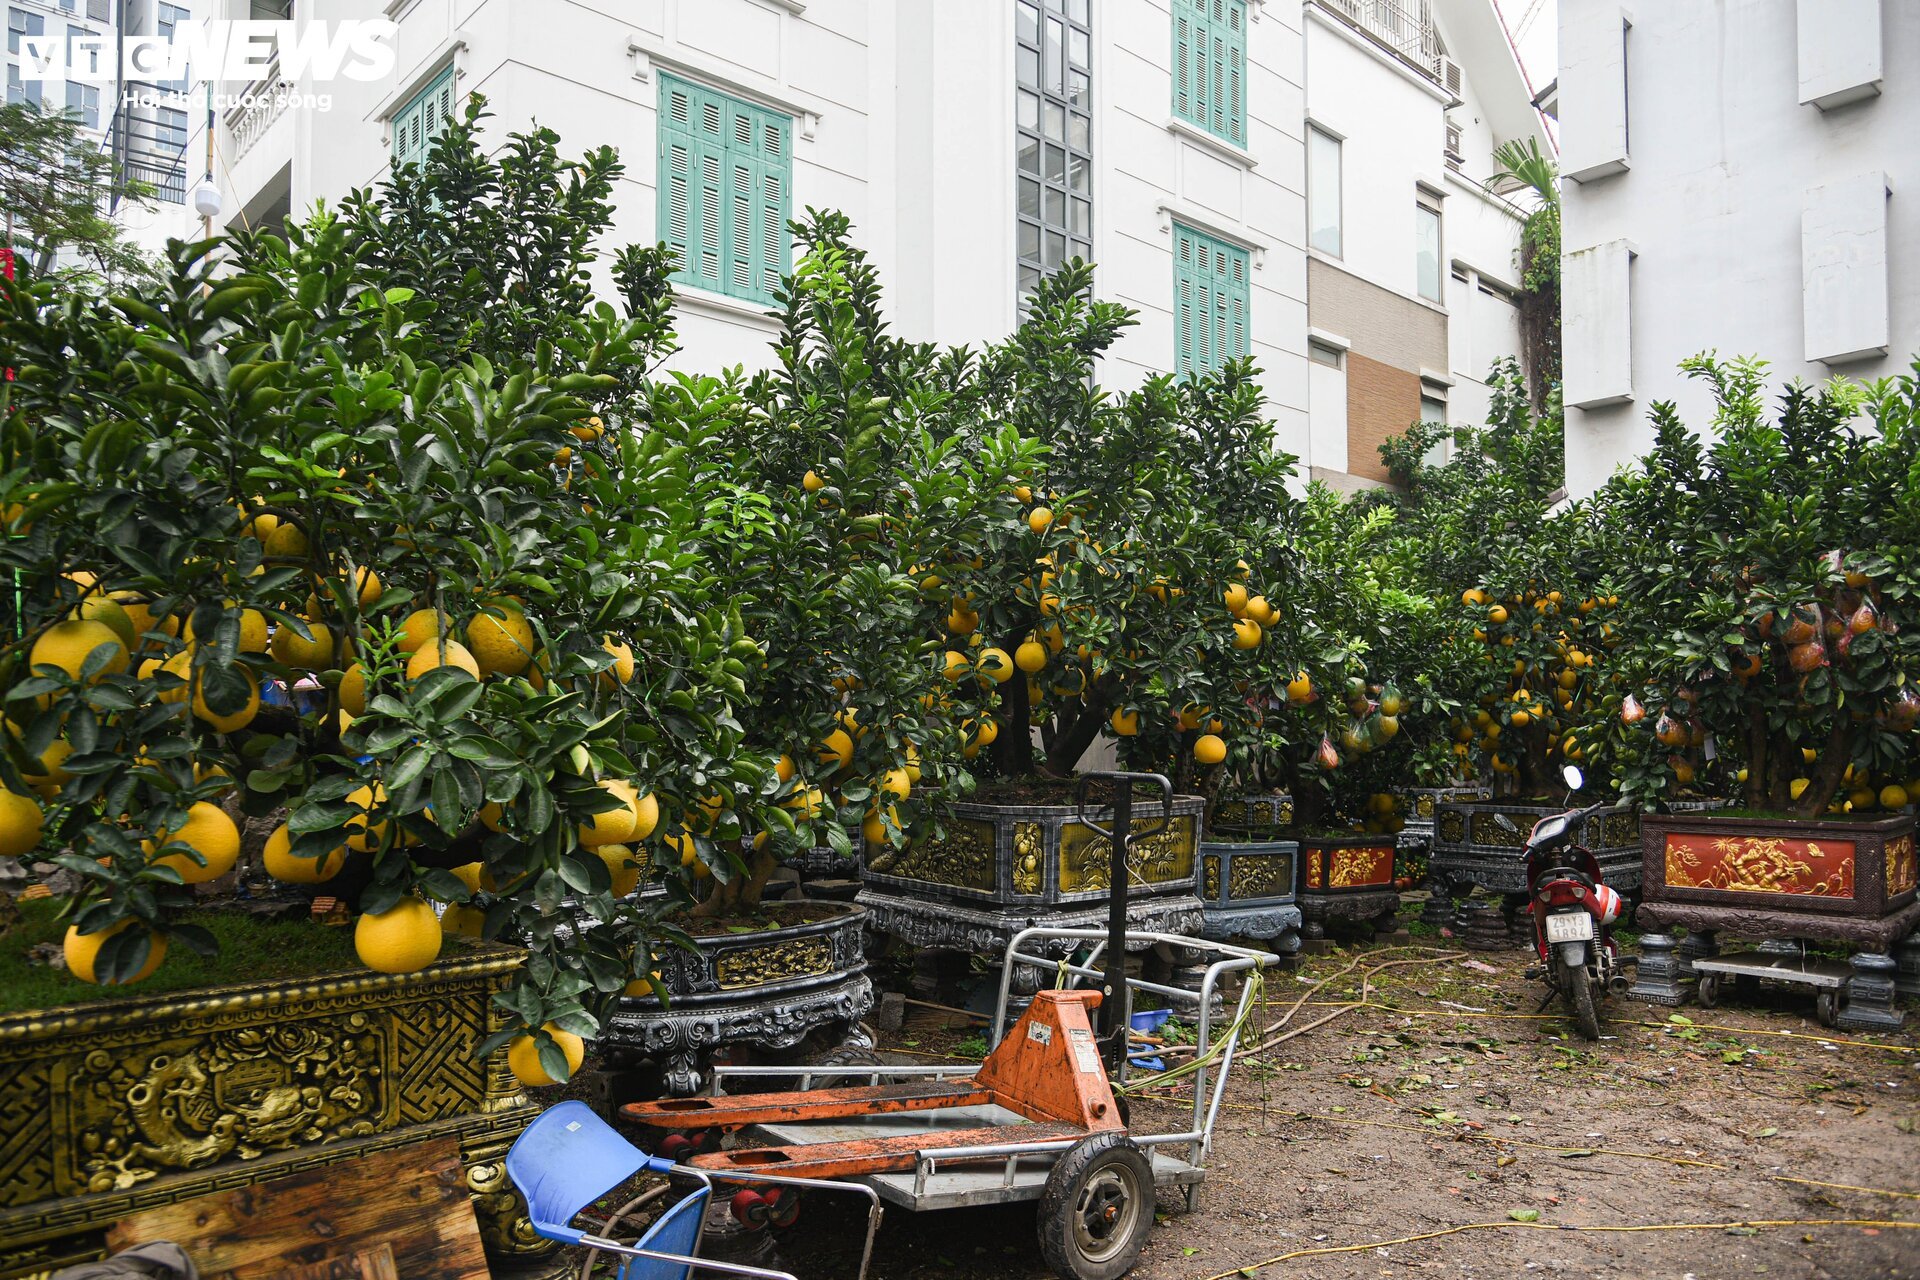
1573,912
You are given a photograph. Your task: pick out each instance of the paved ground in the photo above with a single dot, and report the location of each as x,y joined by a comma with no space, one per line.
1445,1101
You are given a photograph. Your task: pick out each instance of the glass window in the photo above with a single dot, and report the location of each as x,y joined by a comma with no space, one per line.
21,24
1323,353
1323,191
170,128
19,90
1054,137
84,101
1426,226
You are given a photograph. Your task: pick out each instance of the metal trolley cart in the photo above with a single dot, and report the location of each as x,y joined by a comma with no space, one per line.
1039,1119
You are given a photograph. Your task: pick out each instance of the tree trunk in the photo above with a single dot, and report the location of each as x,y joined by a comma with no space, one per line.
1757,758
1076,737
1013,749
1826,779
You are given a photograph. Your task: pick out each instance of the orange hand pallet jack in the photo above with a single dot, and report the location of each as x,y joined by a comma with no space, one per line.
1037,1120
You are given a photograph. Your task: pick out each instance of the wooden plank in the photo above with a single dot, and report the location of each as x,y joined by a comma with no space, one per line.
414,1198
374,1263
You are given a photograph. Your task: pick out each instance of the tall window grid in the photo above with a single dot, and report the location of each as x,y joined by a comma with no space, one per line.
420,121
726,178
1210,300
1210,66
1053,63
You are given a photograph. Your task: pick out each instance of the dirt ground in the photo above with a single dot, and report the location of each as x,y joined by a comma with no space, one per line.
1444,1100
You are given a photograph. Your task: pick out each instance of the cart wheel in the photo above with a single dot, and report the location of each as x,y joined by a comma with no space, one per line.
1097,1209
749,1209
1708,992
783,1207
1826,1007
676,1147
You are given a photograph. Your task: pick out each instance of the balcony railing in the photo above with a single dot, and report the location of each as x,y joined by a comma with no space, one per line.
262,104
1405,27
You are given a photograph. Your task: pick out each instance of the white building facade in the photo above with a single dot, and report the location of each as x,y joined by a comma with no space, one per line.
1412,262
1741,176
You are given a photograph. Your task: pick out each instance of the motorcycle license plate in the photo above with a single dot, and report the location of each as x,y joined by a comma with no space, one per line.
1570,926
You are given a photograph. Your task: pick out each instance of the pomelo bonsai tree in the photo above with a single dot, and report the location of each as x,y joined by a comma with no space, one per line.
1773,628
1124,577
390,529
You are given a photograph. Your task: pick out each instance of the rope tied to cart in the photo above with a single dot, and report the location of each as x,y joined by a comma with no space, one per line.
1222,1043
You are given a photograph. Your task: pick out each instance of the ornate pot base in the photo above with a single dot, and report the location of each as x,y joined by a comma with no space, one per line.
1377,907
986,931
768,990
1248,891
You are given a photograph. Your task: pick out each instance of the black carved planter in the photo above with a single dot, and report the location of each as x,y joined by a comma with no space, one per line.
763,991
1259,815
1004,867
1249,890
1347,879
1420,806
1471,849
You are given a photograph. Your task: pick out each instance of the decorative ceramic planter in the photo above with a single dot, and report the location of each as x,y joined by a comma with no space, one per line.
1003,868
1420,806
1255,816
1249,891
1347,878
1851,882
117,1106
1471,849
768,991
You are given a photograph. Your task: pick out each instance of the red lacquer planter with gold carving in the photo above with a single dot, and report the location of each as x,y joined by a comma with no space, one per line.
1347,878
1840,880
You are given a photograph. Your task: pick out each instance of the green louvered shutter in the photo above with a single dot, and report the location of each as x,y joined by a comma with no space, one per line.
725,170
417,123
1210,301
1210,66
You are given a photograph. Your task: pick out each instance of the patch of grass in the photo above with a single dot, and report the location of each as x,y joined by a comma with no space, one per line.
251,950
971,1047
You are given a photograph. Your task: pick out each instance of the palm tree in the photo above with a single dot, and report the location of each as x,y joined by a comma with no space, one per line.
1522,162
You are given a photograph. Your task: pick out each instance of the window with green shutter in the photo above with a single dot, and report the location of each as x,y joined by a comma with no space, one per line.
726,169
1209,301
1210,66
418,123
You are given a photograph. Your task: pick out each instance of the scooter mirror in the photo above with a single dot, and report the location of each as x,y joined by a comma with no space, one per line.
1575,779
1502,820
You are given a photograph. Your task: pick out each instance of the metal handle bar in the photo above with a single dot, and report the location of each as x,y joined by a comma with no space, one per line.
693,1264
1126,780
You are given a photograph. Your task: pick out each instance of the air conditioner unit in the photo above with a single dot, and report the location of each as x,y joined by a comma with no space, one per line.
1449,75
1456,156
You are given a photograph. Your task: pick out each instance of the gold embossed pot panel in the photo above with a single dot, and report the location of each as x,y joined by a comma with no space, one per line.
111,1107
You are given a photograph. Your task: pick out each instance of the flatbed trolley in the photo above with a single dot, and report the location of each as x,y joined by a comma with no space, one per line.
1039,1119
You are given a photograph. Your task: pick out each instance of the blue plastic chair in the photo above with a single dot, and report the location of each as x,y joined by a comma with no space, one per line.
569,1157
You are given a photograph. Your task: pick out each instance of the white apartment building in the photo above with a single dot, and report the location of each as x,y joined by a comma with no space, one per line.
147,138
1411,260
975,146
1742,176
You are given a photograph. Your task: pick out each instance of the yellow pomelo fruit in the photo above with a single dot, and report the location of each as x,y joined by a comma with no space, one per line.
1893,796
1031,657
836,749
463,921
1247,634
994,664
253,631
367,836
626,878
83,949
875,828
427,658
20,822
290,650
1209,749
402,939
1040,519
209,832
493,816
615,826
286,541
1261,611
504,645
468,874
622,668
1237,597
112,613
353,690
523,1055
784,768
280,863
239,719
1798,787
1125,723
66,645
421,627
956,665
812,482
897,783
913,763
370,586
